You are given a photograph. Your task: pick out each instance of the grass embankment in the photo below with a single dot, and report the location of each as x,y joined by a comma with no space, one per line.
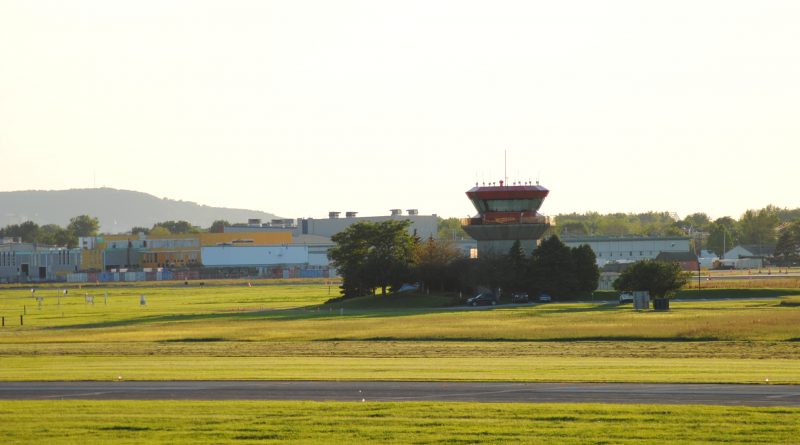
253,332
136,422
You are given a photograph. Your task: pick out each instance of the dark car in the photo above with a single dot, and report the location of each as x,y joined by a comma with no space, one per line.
482,299
520,297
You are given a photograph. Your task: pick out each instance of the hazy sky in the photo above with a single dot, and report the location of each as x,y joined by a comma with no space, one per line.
302,107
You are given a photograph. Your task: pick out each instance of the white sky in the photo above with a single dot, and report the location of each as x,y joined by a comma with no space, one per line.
302,107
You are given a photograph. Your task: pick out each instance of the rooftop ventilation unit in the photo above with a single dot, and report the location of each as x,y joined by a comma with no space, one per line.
413,211
333,215
351,214
396,212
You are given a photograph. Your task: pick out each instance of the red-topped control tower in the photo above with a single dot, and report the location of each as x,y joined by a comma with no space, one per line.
507,213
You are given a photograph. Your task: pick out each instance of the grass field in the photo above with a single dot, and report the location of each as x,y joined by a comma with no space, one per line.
126,422
285,332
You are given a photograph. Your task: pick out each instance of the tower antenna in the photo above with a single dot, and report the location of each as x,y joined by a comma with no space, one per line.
505,166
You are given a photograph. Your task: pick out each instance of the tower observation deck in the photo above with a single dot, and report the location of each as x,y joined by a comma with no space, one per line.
506,214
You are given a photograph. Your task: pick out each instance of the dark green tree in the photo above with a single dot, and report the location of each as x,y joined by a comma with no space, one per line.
56,235
517,268
553,268
137,230
218,226
720,238
177,227
787,250
373,255
587,274
84,225
433,260
28,231
660,279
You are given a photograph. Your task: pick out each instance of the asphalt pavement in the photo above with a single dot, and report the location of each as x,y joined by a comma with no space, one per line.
357,391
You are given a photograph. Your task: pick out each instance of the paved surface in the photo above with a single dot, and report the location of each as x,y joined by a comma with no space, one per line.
705,394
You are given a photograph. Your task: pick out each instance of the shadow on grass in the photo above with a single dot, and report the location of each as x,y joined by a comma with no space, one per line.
335,311
631,338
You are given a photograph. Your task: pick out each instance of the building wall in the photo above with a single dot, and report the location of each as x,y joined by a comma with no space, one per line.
625,249
424,226
264,238
254,256
26,262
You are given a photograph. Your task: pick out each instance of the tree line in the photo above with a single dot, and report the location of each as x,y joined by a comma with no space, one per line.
85,225
373,257
53,234
769,226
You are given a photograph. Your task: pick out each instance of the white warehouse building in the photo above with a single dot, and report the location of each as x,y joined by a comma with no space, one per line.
254,256
628,249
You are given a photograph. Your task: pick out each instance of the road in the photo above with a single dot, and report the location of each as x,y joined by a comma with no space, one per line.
704,394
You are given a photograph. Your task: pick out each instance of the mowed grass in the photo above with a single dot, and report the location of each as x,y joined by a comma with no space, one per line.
285,332
266,314
530,369
248,422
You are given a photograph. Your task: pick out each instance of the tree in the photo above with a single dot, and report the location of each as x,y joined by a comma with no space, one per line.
159,231
660,279
56,235
697,222
83,225
450,228
27,231
759,226
137,230
720,238
177,227
517,268
574,228
218,226
433,260
553,268
373,255
587,274
788,246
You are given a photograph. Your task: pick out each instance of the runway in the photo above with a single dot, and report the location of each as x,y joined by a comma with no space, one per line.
384,391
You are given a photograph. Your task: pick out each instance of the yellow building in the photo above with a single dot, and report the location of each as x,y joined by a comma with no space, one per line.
167,250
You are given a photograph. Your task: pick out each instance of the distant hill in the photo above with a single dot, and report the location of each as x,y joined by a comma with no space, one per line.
117,210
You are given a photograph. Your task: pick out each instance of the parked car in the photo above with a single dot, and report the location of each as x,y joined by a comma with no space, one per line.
482,299
519,297
625,297
544,298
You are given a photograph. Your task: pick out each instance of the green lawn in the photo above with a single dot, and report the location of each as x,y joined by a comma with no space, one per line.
285,332
146,422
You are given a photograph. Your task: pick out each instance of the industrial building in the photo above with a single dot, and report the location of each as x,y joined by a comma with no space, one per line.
114,252
28,262
422,226
628,249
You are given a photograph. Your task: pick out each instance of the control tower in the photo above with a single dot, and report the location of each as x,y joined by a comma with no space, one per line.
506,214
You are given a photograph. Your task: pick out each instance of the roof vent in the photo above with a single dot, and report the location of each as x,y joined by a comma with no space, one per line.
351,214
413,211
396,212
333,215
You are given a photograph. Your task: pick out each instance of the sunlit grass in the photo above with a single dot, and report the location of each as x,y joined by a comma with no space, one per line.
285,332
248,422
